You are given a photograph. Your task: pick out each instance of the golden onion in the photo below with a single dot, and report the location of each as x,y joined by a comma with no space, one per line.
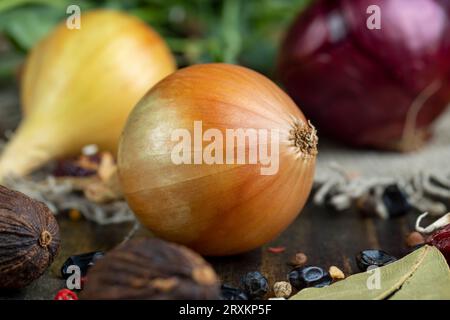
187,187
79,86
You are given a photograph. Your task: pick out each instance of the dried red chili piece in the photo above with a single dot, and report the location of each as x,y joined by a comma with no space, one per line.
66,294
276,249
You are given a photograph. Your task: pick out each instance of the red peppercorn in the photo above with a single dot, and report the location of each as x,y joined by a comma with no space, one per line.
66,294
441,240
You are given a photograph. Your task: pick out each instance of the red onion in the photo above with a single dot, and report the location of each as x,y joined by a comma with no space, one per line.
380,88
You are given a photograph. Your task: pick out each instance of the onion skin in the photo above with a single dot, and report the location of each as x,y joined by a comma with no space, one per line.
218,209
79,86
370,88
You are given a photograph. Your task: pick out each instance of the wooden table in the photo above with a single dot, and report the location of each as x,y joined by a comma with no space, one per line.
326,237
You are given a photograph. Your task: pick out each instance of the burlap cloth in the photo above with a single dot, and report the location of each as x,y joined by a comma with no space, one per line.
343,175
57,194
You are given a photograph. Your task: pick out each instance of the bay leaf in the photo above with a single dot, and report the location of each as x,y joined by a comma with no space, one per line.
423,274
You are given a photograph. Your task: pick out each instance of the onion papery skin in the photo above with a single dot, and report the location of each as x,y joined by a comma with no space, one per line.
79,86
370,88
216,209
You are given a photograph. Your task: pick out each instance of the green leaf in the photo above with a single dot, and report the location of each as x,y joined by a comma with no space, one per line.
231,30
9,62
423,274
26,26
10,4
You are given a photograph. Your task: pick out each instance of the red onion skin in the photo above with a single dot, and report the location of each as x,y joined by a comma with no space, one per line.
441,240
357,85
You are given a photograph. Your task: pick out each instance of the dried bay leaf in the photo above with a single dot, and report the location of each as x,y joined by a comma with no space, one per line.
430,281
423,274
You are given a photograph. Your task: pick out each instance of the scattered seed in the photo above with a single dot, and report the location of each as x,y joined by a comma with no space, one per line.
298,260
75,215
336,273
414,239
282,289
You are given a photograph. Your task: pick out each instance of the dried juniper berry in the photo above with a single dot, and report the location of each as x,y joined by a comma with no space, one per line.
83,261
230,293
395,201
377,258
255,284
309,276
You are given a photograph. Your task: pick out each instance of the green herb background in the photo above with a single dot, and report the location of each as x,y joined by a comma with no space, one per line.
247,32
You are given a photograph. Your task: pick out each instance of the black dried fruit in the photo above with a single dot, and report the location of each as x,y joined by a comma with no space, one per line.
309,276
255,284
395,201
29,239
83,261
83,166
230,293
377,258
66,168
151,269
298,260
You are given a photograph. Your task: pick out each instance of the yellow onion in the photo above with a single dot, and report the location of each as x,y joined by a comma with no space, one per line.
79,86
214,208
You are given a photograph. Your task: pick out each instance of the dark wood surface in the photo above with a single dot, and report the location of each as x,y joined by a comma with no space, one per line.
326,237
